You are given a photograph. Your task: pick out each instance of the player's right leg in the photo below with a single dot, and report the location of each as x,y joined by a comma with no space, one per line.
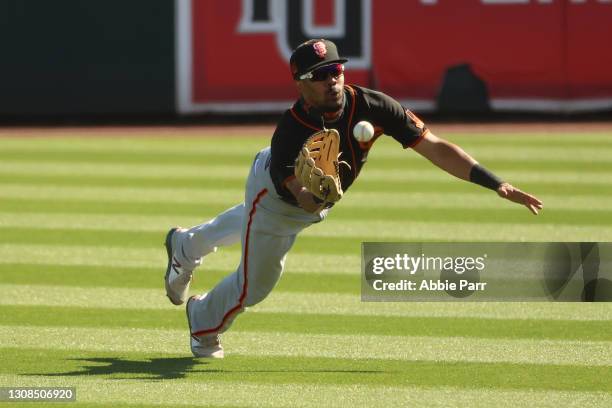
186,249
266,241
269,229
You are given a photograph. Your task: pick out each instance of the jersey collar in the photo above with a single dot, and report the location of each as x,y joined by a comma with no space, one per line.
320,118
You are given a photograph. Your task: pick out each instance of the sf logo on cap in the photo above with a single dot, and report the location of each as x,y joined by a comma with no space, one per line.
320,49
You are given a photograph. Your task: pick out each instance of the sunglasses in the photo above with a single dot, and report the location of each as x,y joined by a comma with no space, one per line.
322,73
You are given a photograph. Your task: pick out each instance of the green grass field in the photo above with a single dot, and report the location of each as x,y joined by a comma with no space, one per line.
82,223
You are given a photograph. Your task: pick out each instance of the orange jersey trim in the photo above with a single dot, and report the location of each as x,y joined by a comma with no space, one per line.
418,122
416,142
348,130
301,121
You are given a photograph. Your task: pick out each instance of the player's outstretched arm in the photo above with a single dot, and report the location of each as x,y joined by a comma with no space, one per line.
452,159
446,155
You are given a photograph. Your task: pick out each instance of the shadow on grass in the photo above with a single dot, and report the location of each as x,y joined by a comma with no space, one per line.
172,368
152,369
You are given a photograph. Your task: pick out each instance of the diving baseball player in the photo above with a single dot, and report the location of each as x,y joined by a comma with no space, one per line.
312,160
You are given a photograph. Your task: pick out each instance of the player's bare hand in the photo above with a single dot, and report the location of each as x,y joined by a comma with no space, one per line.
509,192
307,201
305,198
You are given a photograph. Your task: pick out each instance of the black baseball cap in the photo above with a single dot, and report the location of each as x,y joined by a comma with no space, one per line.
313,54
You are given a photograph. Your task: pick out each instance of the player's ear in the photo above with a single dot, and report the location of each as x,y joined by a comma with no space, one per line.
299,85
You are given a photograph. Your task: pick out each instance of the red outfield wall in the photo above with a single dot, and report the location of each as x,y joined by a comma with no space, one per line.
534,55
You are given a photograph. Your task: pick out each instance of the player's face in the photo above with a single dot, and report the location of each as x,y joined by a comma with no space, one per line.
324,90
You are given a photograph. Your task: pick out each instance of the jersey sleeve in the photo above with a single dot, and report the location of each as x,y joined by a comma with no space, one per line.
284,150
396,121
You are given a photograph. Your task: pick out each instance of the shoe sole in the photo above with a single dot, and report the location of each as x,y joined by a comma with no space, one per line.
168,245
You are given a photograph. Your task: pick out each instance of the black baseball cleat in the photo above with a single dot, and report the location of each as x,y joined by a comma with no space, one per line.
177,278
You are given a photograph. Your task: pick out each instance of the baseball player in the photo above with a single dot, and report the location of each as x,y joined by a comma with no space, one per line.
286,191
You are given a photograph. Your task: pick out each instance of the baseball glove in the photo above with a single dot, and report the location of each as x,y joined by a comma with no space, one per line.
317,166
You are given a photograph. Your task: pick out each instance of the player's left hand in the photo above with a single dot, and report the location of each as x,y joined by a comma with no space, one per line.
317,167
509,192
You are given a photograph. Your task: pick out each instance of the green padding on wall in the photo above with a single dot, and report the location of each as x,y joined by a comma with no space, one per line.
67,57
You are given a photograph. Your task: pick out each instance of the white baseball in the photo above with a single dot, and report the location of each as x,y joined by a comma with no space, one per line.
363,131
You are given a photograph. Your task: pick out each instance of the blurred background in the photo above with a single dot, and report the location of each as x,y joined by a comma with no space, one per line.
201,59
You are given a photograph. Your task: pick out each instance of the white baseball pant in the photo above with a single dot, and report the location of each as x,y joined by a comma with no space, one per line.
267,227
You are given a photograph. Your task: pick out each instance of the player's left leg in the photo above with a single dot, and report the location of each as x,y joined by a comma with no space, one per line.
203,239
186,249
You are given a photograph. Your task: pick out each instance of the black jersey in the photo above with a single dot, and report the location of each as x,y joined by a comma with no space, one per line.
298,123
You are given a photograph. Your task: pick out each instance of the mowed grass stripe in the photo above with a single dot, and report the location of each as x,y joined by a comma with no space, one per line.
151,278
241,150
433,174
387,149
405,230
178,392
581,142
13,211
136,171
159,195
171,139
132,143
530,287
65,316
169,174
145,157
152,239
292,281
156,258
383,185
530,153
405,348
444,208
503,212
301,303
601,139
125,199
406,162
302,262
500,165
385,146
363,186
185,137
522,274
320,371
101,221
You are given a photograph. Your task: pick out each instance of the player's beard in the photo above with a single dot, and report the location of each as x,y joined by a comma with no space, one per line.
333,105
